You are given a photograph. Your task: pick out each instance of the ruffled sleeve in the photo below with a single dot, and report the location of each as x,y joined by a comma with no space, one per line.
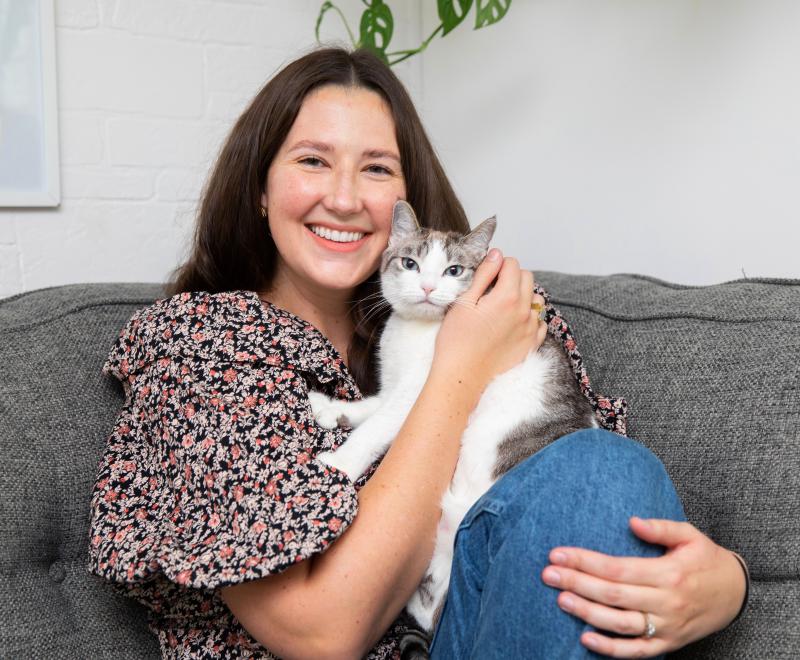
209,475
611,412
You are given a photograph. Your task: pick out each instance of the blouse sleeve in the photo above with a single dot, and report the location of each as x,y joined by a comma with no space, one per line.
209,475
611,412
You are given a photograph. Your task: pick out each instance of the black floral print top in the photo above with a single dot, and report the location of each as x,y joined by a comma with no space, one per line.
209,478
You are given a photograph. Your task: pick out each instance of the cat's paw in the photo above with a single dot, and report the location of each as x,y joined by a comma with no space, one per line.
329,458
325,410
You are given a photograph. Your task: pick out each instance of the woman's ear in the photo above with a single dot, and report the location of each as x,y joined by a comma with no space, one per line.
264,199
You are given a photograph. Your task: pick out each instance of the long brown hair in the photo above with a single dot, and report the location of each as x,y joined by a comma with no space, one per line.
232,248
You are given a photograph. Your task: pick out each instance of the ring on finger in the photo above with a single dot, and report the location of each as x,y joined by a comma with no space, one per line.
649,627
539,309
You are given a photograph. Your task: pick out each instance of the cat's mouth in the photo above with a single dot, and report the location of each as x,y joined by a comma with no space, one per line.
428,308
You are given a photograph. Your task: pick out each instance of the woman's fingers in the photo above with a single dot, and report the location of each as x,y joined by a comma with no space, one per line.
485,274
526,285
622,622
612,594
630,570
668,533
621,647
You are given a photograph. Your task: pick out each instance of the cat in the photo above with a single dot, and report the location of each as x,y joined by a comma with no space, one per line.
423,271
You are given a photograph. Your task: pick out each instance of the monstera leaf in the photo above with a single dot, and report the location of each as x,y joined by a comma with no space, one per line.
452,12
376,30
489,12
377,24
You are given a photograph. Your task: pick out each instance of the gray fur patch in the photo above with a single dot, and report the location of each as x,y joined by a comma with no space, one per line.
567,410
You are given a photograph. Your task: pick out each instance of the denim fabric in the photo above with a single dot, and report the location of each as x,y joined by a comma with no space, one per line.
578,491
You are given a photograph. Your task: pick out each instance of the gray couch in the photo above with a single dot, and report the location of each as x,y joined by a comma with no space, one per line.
711,375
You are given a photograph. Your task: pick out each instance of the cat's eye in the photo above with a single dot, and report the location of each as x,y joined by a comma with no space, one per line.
454,271
409,264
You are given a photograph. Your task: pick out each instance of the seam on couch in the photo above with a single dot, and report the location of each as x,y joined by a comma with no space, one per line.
664,317
776,281
73,310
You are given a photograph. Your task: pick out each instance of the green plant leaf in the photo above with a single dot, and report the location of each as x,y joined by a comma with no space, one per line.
376,28
489,12
452,12
325,7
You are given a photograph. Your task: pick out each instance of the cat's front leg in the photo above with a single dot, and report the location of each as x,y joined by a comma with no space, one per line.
367,443
428,600
331,413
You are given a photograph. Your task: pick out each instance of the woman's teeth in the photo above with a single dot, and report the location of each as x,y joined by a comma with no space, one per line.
337,236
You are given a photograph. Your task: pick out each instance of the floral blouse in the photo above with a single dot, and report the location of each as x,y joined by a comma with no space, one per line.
209,477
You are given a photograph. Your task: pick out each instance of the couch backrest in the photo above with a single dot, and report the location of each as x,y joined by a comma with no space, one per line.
710,373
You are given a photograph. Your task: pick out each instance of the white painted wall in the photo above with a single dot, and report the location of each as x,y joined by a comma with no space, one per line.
147,91
651,136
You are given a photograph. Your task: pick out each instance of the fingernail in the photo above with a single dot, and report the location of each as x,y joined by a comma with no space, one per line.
591,641
558,558
494,255
566,603
551,577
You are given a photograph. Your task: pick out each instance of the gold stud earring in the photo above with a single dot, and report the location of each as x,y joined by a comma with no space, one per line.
263,212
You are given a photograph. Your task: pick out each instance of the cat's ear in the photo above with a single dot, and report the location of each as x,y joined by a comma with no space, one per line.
480,237
404,220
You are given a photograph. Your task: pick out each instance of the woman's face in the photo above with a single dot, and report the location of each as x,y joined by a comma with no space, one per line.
331,188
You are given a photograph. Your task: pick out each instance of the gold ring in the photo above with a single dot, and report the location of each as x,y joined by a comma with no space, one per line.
539,309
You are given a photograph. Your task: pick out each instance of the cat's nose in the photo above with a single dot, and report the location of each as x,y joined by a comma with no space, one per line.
427,290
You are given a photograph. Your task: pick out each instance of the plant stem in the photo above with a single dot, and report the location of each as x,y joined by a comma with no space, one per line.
408,53
344,20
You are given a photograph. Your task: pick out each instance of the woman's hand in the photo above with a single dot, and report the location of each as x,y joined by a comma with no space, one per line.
485,334
694,589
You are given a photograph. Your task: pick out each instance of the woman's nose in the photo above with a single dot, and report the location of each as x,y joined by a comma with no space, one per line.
343,197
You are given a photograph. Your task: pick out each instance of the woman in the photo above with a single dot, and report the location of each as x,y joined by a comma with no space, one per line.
209,505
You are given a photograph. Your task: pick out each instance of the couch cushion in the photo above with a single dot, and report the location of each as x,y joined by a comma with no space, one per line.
710,373
56,410
711,378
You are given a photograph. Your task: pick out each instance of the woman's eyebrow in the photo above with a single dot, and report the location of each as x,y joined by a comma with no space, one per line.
380,153
311,144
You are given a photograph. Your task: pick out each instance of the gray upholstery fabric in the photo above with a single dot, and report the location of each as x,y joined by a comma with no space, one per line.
56,410
711,375
711,378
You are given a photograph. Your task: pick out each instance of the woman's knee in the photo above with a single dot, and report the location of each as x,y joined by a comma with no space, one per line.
591,451
595,467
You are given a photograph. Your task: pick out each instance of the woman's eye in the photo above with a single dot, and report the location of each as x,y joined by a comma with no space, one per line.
409,264
313,161
378,169
454,271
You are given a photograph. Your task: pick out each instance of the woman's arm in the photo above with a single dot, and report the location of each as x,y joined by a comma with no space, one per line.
340,603
693,590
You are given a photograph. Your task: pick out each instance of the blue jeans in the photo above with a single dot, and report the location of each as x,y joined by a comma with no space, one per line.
578,491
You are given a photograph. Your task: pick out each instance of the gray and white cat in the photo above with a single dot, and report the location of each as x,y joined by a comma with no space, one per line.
423,271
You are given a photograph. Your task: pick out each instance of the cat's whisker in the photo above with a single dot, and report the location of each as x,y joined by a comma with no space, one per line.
374,309
371,296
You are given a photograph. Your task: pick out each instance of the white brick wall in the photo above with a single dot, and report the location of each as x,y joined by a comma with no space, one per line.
147,91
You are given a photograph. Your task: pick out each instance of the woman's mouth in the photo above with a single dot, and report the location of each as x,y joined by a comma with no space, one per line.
336,236
341,241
